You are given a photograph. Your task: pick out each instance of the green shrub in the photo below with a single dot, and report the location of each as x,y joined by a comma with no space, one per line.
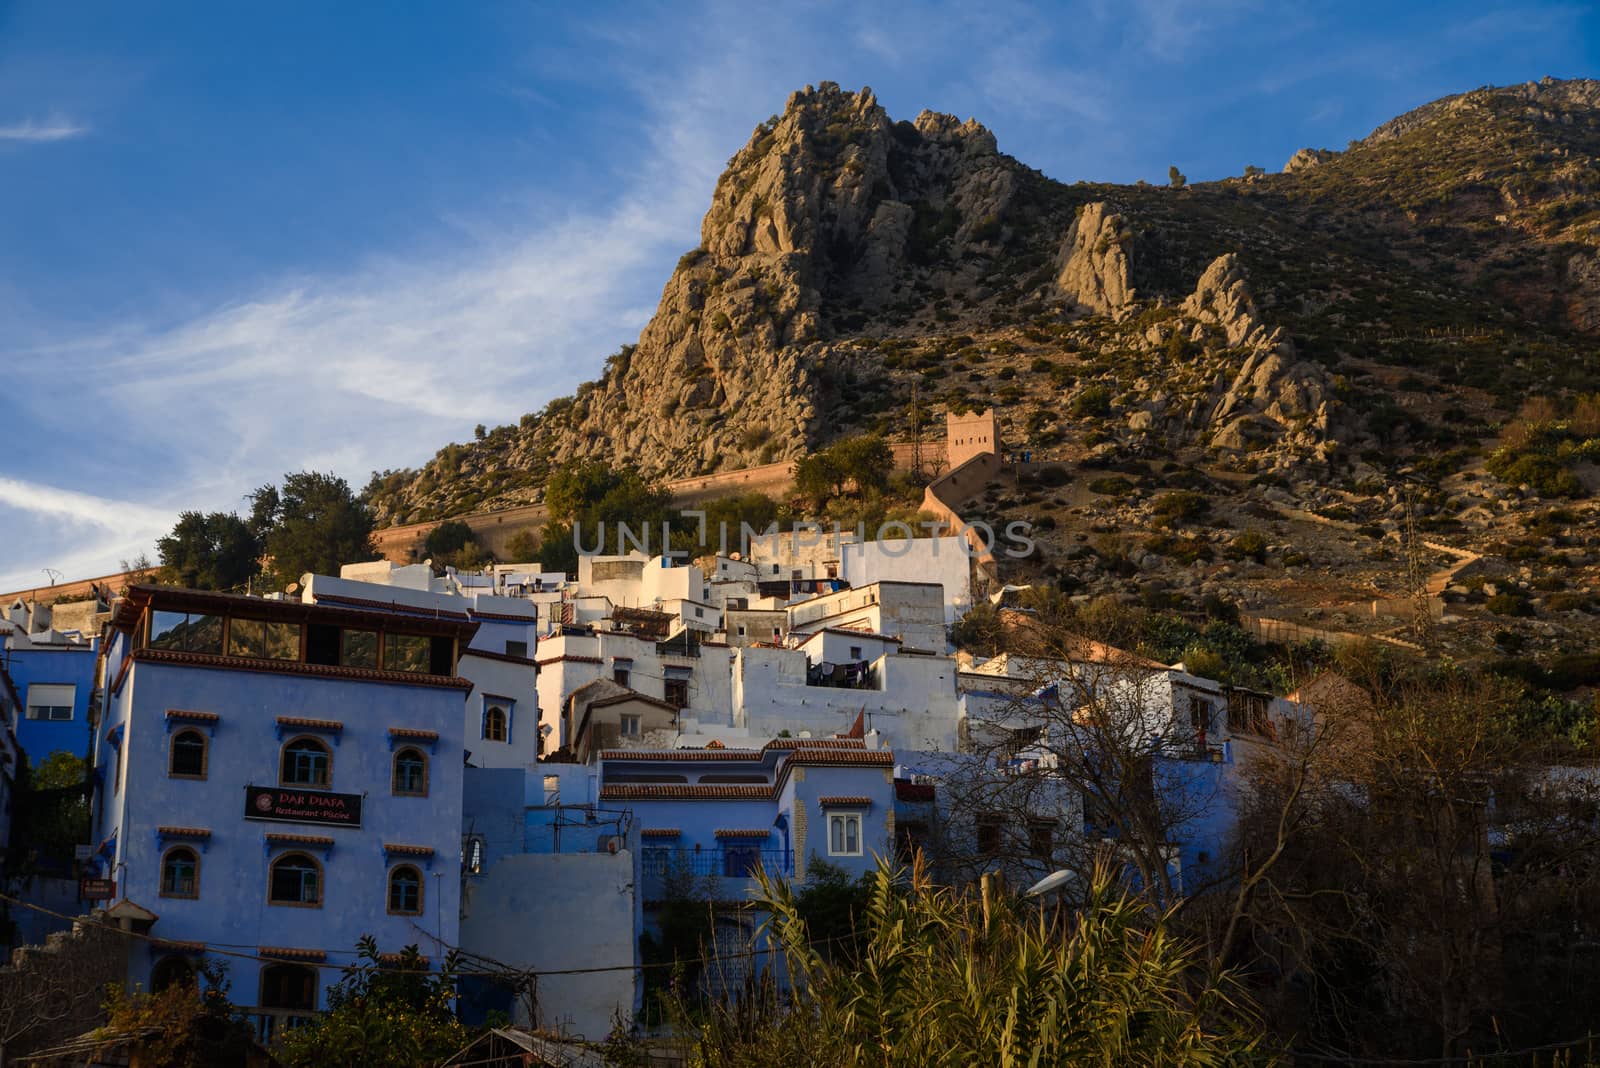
1181,506
1248,543
1111,486
1094,400
1509,604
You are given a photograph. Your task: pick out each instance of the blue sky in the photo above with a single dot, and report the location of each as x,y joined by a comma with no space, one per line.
239,240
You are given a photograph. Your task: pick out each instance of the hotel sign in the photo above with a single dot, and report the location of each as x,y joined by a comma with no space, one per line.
96,889
288,804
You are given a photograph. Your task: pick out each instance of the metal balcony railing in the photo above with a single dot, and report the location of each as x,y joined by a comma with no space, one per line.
733,862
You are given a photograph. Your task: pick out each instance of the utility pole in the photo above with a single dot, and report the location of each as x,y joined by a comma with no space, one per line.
1417,573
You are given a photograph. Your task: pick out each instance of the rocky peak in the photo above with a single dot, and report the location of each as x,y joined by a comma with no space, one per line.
1222,296
1306,158
1092,265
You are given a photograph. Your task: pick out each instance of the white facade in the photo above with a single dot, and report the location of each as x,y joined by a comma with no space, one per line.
911,611
502,711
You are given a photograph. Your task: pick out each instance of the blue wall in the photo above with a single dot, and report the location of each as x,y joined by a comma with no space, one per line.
56,664
232,906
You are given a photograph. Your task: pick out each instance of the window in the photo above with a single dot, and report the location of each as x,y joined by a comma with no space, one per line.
358,648
741,630
844,834
517,649
170,971
405,891
296,880
740,861
496,724
180,873
406,652
677,693
619,676
288,986
410,773
196,633
187,759
699,613
855,652
632,726
989,835
306,762
1041,839
263,640
552,790
472,854
51,700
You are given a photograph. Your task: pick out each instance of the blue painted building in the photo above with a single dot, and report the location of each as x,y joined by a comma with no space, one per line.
54,675
281,777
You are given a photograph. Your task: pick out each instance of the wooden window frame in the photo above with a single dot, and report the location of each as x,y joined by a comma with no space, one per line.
326,748
861,831
161,887
322,881
205,754
316,980
388,891
394,773
505,732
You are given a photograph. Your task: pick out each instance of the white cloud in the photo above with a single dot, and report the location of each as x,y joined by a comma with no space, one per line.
55,128
80,535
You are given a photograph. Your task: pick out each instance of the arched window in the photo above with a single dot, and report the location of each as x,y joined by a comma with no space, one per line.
171,971
410,773
187,759
495,726
296,880
405,891
180,873
306,762
288,986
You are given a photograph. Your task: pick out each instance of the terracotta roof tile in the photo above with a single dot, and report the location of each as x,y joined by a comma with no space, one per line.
194,717
644,791
856,801
299,839
570,658
659,832
414,732
310,724
291,953
184,832
407,850
740,832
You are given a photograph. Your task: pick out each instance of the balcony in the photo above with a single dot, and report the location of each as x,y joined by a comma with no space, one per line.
721,873
270,1025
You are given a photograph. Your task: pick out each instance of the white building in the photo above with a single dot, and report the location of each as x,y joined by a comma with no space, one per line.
502,711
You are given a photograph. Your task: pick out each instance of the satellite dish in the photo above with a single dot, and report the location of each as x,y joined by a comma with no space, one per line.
293,587
1053,881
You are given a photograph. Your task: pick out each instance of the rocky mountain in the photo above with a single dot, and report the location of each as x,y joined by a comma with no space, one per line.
1364,319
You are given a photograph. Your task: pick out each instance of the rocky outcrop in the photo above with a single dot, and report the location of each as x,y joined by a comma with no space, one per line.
1092,266
1307,158
1273,389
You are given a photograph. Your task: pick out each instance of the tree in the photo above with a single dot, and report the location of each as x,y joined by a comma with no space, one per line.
948,978
216,551
866,460
313,524
182,1026
1252,171
1175,177
50,814
391,1011
453,544
586,494
523,547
